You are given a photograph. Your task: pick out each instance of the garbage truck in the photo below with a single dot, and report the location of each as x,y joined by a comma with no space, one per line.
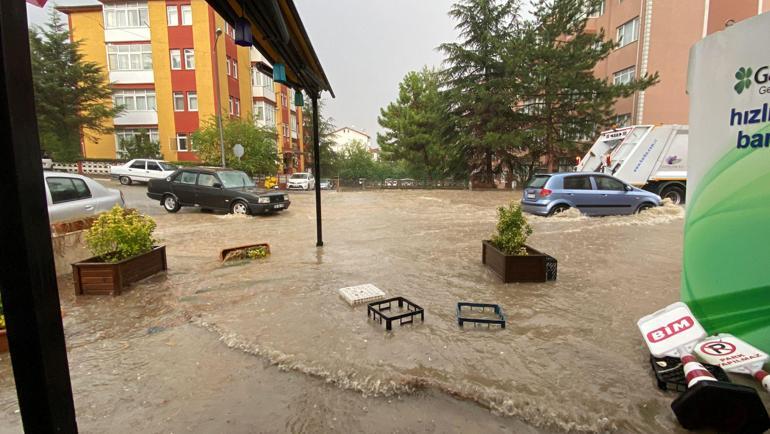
652,157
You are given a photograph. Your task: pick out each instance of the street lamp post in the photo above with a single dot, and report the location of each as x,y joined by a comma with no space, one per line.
218,98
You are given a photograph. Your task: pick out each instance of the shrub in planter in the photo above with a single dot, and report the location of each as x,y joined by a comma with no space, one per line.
508,255
124,252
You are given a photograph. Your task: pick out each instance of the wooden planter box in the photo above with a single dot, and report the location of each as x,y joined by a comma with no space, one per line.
535,267
93,276
3,341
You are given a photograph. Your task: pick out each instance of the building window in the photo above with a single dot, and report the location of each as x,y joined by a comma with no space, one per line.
235,69
237,107
285,130
267,81
181,141
294,123
125,15
624,76
192,101
628,32
186,15
256,77
623,120
129,57
270,115
176,59
135,99
283,100
189,58
232,106
597,10
178,101
227,61
229,30
123,134
259,111
172,15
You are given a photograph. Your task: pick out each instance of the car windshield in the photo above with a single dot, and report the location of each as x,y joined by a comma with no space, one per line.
538,181
299,176
166,166
235,179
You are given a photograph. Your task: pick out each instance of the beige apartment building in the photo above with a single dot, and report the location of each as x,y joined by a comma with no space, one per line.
656,36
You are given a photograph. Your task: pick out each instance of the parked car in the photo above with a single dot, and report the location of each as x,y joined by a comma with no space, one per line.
71,196
215,189
390,183
591,193
327,184
141,170
301,181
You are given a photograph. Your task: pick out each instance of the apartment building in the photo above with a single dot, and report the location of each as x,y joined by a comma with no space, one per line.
170,69
656,35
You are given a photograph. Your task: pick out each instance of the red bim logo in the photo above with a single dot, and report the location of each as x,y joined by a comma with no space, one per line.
671,329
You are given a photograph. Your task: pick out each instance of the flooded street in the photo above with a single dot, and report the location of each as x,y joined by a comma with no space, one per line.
200,348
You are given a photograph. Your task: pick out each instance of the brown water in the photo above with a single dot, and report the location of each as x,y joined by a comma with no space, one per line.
570,357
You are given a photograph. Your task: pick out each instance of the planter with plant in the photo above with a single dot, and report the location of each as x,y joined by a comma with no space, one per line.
243,253
507,254
124,252
3,335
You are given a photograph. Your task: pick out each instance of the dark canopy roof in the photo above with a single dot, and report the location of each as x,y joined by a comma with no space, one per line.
280,36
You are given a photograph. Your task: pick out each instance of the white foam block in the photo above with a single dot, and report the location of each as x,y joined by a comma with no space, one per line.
361,294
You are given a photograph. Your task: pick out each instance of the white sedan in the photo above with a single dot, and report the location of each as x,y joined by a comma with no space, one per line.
71,196
301,181
141,170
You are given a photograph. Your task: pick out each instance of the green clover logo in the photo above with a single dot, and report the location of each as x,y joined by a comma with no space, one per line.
743,75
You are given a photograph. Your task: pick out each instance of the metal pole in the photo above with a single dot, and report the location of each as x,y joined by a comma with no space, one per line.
218,98
27,275
317,170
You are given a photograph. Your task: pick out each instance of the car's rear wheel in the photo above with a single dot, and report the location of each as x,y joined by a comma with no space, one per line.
558,209
170,203
239,207
643,207
125,180
673,192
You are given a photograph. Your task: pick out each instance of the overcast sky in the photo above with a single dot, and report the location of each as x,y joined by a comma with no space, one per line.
366,47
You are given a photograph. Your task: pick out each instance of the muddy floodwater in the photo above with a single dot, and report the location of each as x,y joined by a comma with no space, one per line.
269,346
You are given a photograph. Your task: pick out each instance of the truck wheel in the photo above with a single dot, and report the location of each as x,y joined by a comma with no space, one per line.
170,203
125,180
673,192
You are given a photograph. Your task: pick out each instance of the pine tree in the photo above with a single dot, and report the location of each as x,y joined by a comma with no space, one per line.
72,96
480,85
565,104
417,125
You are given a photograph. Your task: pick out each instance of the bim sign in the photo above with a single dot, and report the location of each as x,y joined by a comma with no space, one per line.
671,329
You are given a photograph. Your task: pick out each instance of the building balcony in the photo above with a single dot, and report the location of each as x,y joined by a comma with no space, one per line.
263,92
132,77
131,34
144,117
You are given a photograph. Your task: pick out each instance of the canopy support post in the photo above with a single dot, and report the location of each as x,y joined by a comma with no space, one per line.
317,170
27,276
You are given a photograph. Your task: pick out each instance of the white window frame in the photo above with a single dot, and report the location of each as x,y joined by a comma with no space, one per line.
124,133
178,97
237,106
129,54
137,9
258,111
175,53
283,100
256,77
627,32
227,61
286,130
293,123
192,101
189,58
235,69
270,114
172,16
123,96
267,81
599,11
624,76
182,137
186,13
232,105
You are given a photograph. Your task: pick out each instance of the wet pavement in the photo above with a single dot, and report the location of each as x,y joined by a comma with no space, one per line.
200,348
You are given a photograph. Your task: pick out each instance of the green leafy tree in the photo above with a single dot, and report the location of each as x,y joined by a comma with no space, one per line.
72,96
140,146
480,86
417,125
260,155
563,102
326,132
357,162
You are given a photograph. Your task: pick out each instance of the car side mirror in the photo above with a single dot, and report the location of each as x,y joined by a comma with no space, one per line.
217,185
629,188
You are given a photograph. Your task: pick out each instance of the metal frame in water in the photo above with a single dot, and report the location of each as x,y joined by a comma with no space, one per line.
498,313
375,311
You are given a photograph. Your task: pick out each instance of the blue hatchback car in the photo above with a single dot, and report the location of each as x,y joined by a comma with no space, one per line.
591,193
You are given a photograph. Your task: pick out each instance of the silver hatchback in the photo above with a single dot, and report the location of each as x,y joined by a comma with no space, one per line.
71,196
591,193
